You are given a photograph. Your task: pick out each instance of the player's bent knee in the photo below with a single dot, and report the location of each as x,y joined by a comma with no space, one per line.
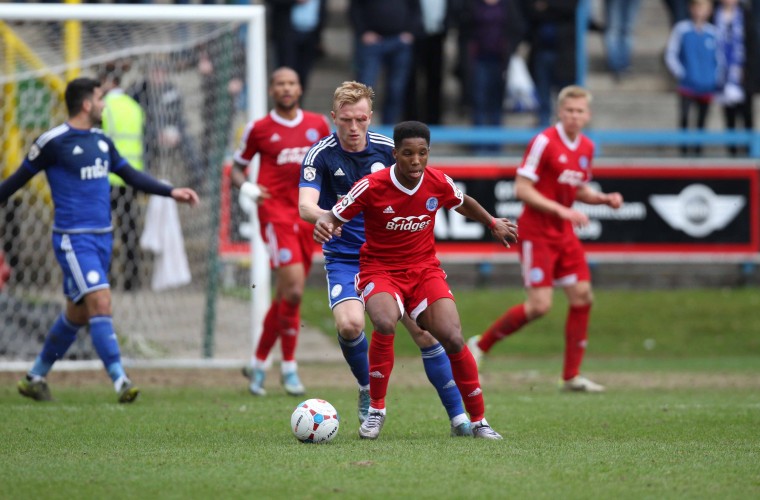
77,316
292,296
586,298
384,324
98,304
537,309
350,331
582,302
453,344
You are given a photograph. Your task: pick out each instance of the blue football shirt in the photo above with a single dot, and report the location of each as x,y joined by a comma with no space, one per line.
331,170
76,163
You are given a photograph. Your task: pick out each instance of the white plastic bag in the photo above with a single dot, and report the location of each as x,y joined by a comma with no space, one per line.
521,92
732,95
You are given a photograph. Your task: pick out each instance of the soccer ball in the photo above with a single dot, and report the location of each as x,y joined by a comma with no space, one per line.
315,421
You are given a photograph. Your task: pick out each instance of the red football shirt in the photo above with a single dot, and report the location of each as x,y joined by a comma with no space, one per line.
398,222
282,145
558,167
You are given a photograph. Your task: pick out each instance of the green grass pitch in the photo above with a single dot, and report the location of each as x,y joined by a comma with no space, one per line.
681,419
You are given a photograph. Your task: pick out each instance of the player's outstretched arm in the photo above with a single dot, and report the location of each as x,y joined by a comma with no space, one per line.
526,191
15,182
308,207
502,229
591,196
148,184
185,195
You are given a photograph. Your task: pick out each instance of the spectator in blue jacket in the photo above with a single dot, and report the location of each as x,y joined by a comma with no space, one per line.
739,48
693,58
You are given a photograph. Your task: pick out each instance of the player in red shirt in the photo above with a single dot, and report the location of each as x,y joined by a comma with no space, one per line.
399,270
554,173
282,138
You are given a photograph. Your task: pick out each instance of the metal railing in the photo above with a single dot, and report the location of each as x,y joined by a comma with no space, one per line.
474,136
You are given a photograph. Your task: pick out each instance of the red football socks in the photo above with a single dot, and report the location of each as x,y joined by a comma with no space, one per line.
465,373
381,359
289,318
576,333
271,330
509,323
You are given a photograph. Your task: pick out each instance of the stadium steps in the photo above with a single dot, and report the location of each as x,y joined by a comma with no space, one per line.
645,96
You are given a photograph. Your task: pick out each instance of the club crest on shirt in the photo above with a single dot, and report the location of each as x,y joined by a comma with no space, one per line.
312,135
34,152
309,173
376,167
103,145
583,162
431,204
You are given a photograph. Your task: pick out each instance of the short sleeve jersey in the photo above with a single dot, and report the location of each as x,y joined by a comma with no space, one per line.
77,163
557,166
282,145
399,222
332,171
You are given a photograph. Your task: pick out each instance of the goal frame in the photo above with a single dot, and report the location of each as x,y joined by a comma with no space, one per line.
253,16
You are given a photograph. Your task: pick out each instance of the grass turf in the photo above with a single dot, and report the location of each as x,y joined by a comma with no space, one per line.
681,418
638,323
695,438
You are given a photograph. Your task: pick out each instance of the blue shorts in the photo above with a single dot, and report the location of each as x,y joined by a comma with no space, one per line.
84,259
341,272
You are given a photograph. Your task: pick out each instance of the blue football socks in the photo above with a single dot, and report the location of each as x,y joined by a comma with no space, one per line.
106,345
355,354
62,334
438,370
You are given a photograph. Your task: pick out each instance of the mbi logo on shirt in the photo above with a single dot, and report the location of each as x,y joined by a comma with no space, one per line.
413,223
100,169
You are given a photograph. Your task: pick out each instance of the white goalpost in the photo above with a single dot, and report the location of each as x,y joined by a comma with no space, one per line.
201,50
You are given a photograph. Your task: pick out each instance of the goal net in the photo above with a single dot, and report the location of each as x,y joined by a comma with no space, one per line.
198,74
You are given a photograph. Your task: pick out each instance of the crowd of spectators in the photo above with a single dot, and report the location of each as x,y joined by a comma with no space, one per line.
711,60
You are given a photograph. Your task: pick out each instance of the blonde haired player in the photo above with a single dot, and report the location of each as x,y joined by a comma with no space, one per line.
329,170
555,171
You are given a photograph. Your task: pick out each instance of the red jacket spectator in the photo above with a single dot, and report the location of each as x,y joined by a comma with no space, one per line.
5,270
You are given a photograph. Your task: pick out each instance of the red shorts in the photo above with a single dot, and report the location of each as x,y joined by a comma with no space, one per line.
548,263
288,243
414,289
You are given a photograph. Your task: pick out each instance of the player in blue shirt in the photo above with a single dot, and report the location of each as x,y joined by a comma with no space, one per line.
77,158
329,170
